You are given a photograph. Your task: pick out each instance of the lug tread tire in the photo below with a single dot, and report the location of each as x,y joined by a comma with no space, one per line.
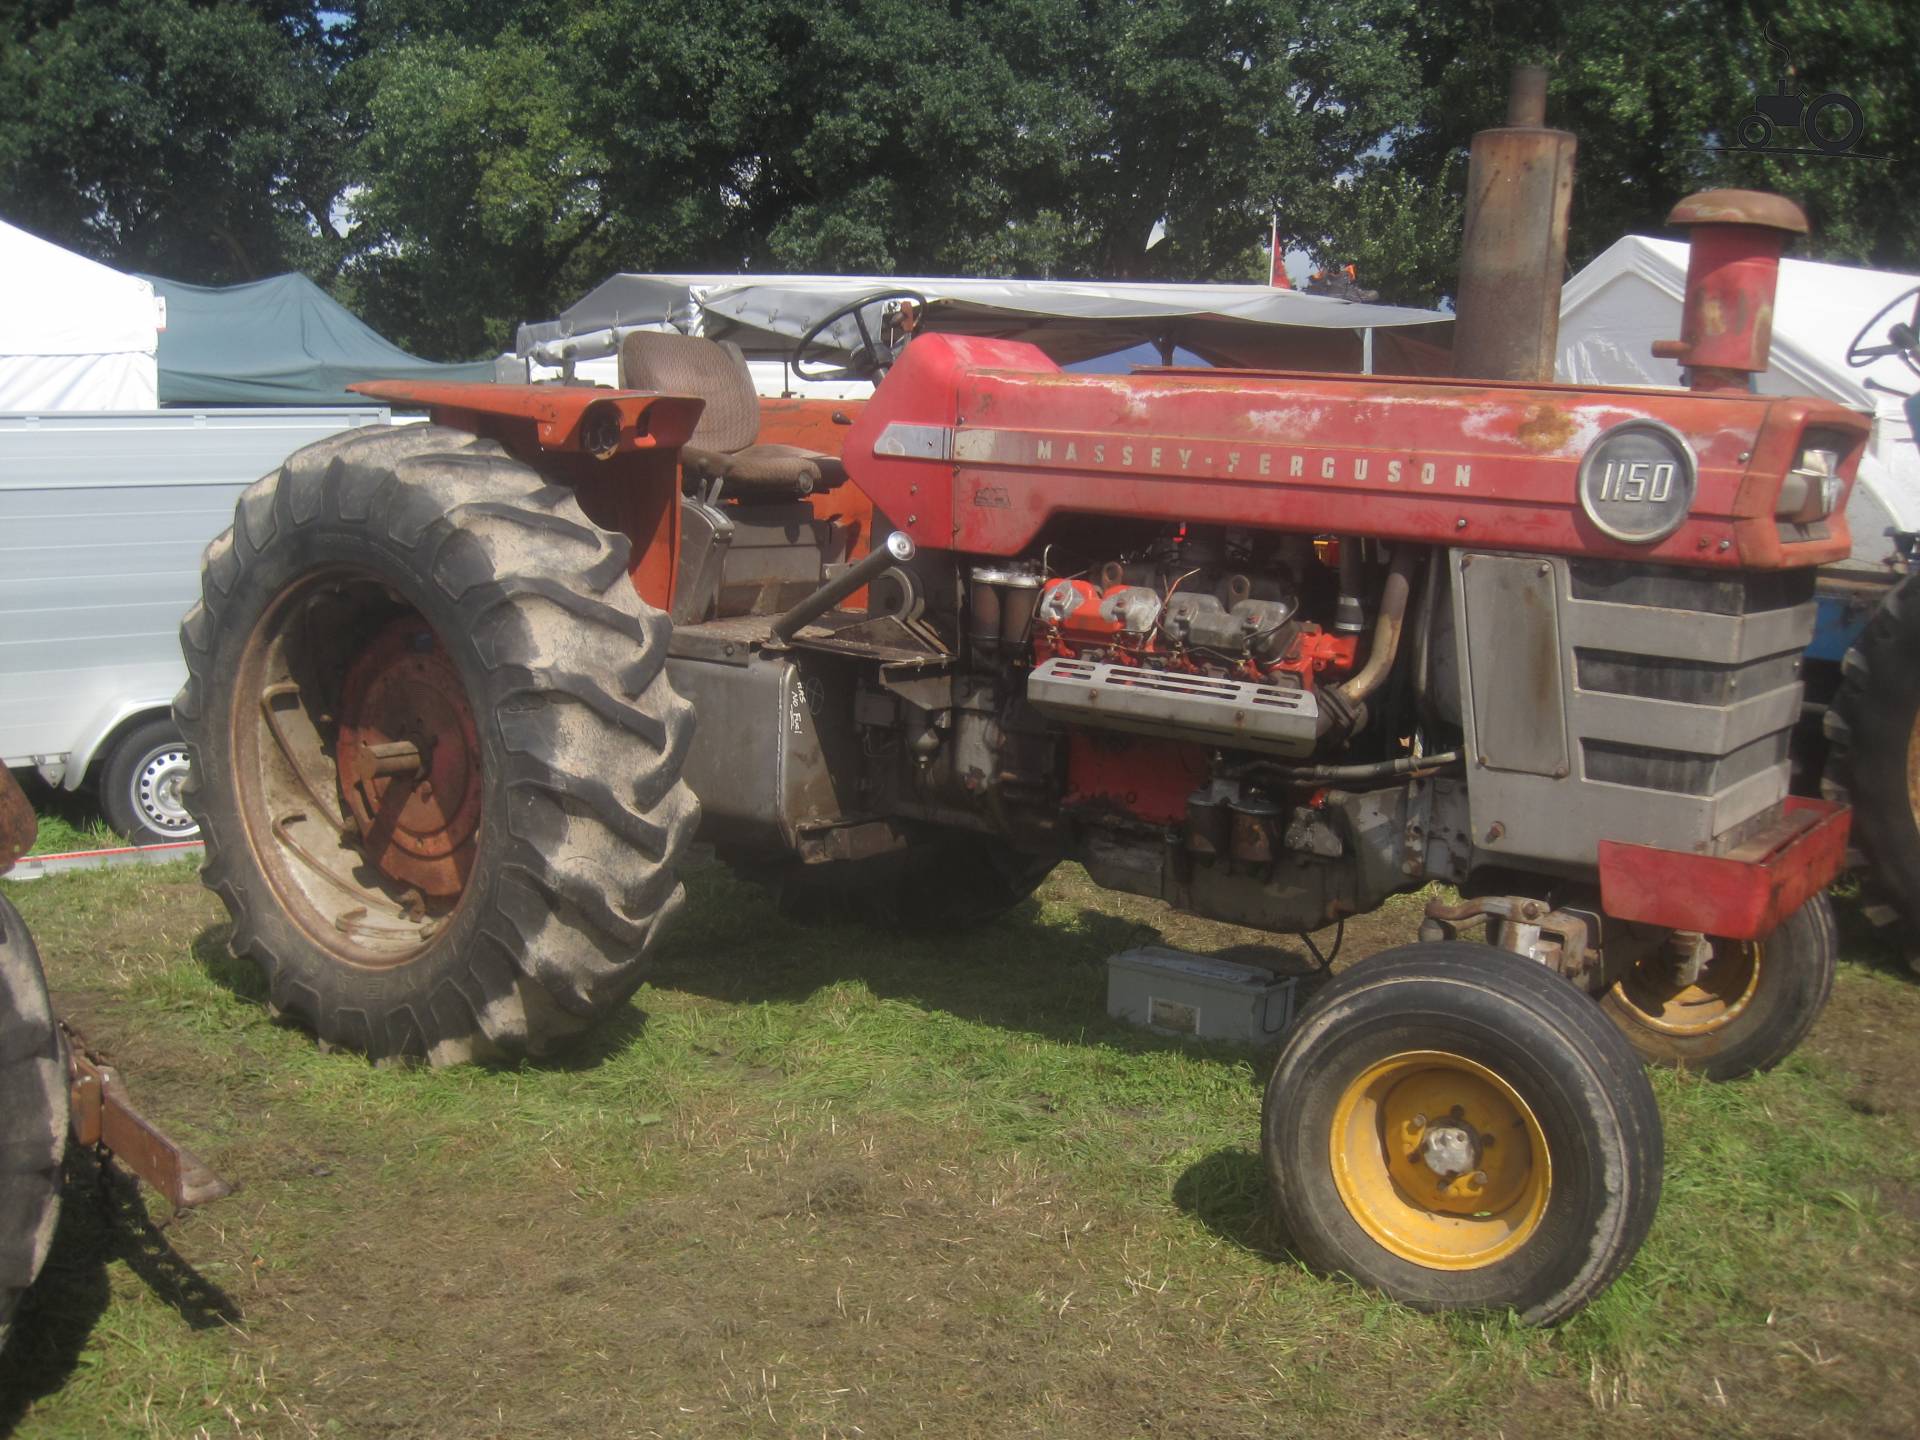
586,815
1579,1076
33,1117
1869,727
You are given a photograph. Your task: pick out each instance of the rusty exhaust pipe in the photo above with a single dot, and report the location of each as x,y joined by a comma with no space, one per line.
1513,252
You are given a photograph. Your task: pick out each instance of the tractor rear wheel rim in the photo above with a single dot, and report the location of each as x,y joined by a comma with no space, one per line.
1719,996
1439,1160
358,767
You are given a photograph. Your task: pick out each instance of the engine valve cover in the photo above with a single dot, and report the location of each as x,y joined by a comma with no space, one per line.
1200,621
1233,714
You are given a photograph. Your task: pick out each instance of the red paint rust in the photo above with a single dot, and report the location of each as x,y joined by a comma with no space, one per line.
419,827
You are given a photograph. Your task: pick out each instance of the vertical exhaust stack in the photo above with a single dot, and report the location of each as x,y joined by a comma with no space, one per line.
1733,268
1513,253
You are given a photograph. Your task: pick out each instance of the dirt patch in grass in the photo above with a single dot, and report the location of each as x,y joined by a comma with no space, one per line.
828,1182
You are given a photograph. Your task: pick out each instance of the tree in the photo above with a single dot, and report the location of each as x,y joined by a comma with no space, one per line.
1654,91
189,138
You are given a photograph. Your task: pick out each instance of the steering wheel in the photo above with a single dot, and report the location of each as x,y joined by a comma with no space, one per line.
876,353
1903,339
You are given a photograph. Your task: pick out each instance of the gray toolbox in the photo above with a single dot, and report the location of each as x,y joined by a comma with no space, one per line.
1201,997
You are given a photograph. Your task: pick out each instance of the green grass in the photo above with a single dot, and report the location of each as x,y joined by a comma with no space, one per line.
820,1181
69,820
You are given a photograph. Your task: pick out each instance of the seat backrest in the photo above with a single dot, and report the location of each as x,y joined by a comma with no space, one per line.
716,372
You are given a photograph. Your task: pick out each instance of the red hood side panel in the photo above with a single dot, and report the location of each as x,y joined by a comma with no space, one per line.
973,445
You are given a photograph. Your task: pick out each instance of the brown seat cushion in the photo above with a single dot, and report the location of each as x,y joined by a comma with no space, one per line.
674,364
764,471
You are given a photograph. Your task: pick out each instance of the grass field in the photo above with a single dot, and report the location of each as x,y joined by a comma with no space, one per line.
832,1182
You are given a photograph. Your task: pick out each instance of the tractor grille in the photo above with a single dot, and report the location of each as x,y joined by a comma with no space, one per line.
1657,702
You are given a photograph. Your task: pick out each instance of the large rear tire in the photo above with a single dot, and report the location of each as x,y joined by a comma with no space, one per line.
33,1115
1873,735
436,757
1459,1128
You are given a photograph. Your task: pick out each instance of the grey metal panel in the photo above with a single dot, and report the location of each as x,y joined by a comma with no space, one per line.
1655,630
1236,713
773,742
1559,820
1703,729
1514,663
103,520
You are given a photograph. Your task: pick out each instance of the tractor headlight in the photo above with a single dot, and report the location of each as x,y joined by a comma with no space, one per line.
1812,487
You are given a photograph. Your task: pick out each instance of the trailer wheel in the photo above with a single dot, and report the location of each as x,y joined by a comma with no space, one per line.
1873,734
1458,1128
946,880
1747,1010
33,1117
141,785
436,755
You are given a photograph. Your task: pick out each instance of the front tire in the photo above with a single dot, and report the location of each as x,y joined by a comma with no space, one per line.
1456,1127
1747,1010
436,756
33,1117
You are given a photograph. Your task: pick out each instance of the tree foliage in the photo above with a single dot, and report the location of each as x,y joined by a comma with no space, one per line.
194,139
453,169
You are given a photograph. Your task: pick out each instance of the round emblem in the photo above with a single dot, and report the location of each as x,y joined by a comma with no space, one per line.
1637,480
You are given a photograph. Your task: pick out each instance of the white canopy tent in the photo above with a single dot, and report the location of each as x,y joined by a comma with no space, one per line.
74,334
1630,296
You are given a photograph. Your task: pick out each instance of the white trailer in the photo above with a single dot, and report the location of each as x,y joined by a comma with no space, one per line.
103,518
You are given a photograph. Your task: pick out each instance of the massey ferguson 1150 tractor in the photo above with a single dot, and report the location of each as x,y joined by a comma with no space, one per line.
1270,647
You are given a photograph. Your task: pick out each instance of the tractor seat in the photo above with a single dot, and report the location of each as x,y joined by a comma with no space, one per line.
722,447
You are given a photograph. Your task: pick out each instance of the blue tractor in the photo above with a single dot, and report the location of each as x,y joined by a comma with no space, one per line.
1864,677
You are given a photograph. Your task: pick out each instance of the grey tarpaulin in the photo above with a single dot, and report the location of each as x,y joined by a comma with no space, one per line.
1070,320
283,341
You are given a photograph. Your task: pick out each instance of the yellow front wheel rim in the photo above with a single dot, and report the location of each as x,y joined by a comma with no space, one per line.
1439,1160
1719,996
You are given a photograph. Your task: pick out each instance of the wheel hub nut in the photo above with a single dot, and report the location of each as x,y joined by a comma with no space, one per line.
1448,1150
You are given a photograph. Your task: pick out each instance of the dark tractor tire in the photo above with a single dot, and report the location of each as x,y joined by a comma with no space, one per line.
142,782
1873,738
436,758
33,1115
1459,1128
946,880
1747,1010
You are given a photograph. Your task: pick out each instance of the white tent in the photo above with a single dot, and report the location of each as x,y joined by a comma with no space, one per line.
1630,296
74,334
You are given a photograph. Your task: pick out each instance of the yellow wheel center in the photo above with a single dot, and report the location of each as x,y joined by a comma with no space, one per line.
1722,991
1439,1160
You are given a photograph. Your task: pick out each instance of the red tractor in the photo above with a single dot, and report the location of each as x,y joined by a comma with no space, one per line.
1270,647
